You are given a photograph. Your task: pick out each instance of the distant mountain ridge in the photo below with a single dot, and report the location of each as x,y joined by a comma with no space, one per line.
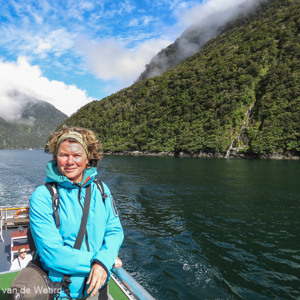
37,120
239,93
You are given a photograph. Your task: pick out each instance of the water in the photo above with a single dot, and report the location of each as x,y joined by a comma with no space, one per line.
194,228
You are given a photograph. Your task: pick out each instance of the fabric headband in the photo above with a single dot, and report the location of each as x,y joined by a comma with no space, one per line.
74,135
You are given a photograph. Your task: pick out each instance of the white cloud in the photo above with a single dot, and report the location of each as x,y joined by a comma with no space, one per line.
134,22
213,12
110,59
20,81
43,46
147,20
29,43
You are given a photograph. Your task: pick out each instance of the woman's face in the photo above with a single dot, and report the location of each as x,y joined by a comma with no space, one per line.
71,160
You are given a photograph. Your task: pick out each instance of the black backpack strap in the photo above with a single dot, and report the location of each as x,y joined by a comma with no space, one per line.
101,189
86,209
52,187
82,230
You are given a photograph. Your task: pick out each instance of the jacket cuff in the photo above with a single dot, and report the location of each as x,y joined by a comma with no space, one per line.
96,261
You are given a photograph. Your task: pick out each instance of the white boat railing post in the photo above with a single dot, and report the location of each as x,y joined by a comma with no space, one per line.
131,284
1,234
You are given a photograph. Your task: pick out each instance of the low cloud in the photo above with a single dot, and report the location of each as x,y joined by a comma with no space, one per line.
214,12
110,59
203,22
206,20
21,83
12,104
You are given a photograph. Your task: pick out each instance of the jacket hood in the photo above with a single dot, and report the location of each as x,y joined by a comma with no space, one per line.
54,175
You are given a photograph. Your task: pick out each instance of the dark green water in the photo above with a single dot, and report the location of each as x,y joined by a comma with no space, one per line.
195,228
210,229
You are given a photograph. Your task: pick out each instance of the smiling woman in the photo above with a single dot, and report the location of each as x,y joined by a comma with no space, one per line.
76,152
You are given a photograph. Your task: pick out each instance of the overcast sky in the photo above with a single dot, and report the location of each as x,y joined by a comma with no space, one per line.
69,52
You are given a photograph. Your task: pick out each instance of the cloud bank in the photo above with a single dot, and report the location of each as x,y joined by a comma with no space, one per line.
214,12
207,19
203,22
20,82
110,59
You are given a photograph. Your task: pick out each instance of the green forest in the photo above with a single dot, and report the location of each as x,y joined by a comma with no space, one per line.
241,90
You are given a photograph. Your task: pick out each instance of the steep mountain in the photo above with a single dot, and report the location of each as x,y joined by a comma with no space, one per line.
31,130
241,90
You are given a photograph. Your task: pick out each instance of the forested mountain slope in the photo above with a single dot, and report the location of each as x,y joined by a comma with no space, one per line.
241,90
38,119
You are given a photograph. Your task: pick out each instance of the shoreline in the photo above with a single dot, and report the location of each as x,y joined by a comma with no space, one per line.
235,155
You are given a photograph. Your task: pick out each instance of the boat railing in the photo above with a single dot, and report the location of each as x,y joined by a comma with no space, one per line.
12,216
1,234
131,284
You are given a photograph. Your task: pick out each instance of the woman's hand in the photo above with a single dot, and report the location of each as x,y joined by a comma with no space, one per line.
96,279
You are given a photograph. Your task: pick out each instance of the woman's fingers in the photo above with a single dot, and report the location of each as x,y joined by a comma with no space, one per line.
96,279
90,277
96,288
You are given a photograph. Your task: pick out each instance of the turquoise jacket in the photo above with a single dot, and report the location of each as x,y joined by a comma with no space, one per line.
55,246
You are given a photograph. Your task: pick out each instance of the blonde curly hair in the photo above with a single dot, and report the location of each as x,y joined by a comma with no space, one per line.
94,147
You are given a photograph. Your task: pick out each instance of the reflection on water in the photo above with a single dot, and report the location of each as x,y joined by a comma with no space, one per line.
195,228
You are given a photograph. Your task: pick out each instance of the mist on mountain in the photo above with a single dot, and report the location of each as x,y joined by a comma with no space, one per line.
209,20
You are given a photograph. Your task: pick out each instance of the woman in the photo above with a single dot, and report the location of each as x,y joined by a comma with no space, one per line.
76,153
